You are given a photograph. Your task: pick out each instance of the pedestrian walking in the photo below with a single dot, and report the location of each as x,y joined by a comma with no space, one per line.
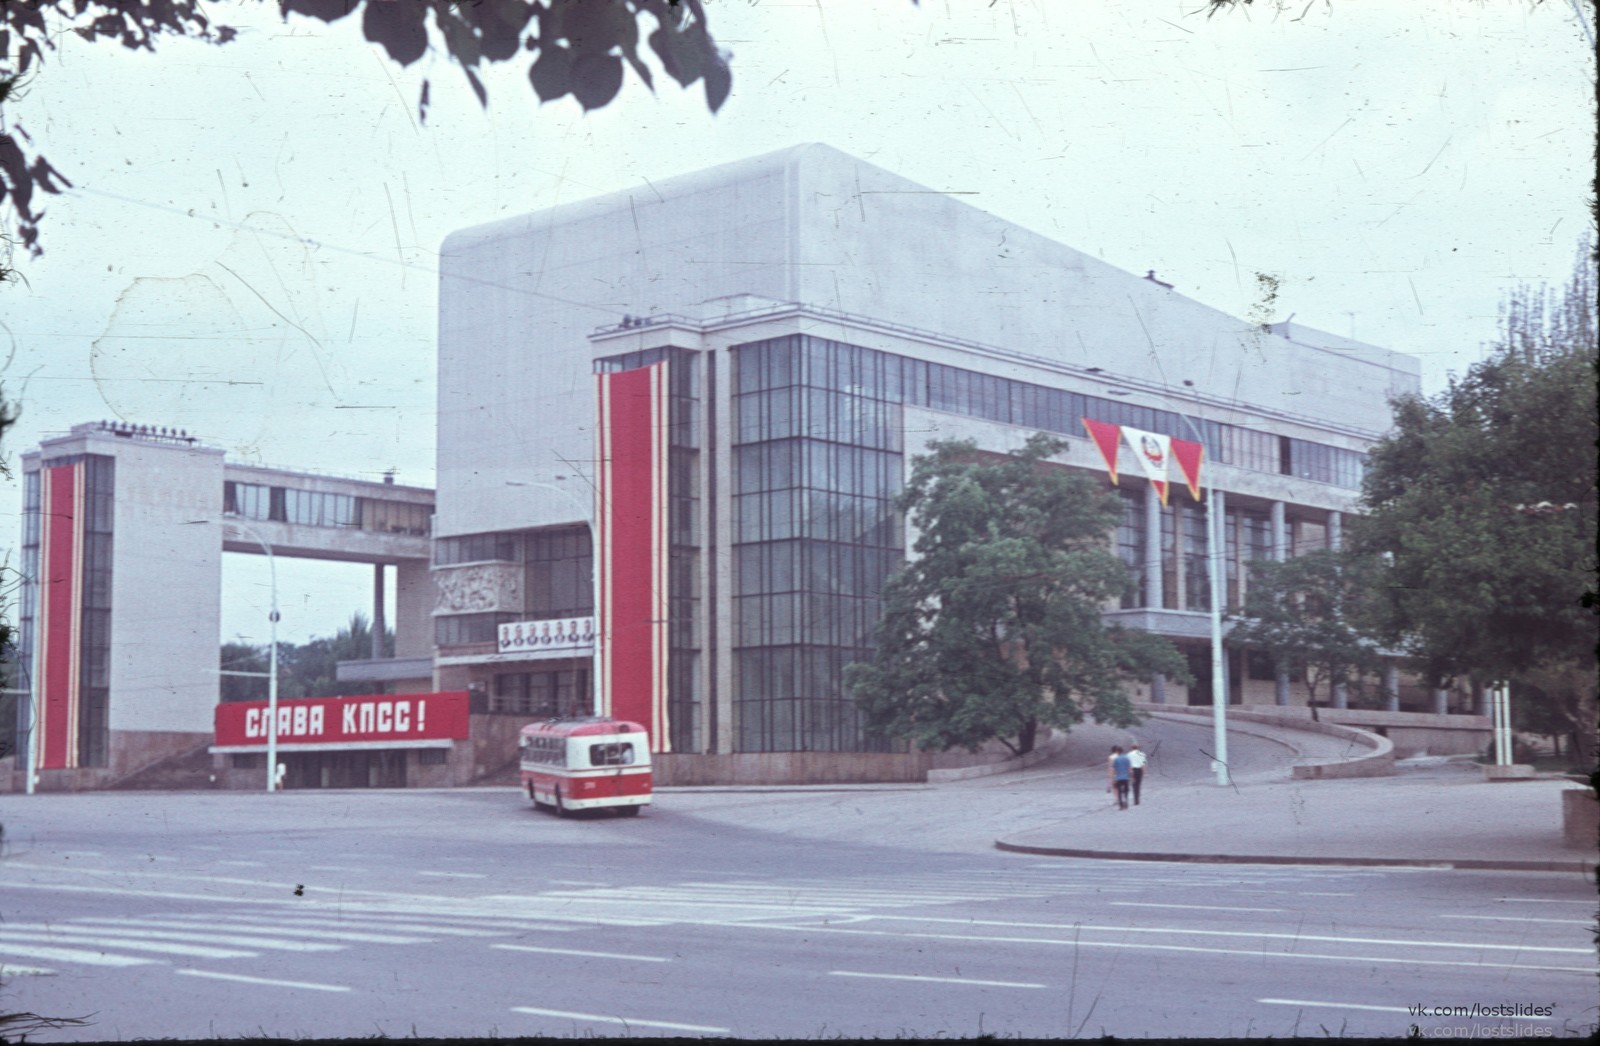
1120,771
1136,763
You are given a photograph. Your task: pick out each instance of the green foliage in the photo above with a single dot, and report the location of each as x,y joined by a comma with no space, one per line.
1482,581
1484,502
579,48
1311,611
304,670
994,629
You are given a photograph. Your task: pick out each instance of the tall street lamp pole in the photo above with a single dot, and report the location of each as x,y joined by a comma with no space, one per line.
1219,688
272,656
597,667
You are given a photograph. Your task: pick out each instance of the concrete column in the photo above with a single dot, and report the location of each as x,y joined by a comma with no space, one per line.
1152,548
1280,533
1280,686
1180,582
1441,702
378,624
413,600
1335,530
1391,688
1158,688
1341,695
1480,695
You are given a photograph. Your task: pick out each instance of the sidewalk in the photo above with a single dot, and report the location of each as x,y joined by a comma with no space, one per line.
1432,813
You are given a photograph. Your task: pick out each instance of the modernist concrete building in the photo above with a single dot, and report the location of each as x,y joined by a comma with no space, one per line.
672,425
719,381
124,527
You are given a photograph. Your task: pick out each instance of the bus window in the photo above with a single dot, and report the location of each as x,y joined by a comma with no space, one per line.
614,754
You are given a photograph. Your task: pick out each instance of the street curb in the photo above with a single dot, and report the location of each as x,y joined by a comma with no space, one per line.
1463,864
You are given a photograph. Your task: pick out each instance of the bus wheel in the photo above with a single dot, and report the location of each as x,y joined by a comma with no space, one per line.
561,808
628,811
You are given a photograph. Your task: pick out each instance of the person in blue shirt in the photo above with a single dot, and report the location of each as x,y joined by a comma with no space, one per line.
1120,771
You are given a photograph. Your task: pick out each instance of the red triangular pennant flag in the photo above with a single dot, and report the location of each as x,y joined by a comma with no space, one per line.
1107,438
1189,456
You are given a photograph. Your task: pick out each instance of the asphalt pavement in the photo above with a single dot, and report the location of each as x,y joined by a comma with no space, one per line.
1433,812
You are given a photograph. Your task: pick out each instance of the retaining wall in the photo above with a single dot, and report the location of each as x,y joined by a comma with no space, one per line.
1378,761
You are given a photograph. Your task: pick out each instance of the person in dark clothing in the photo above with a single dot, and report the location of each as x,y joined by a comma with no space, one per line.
1121,771
1136,761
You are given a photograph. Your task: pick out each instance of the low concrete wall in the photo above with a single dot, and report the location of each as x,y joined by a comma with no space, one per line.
1411,733
1377,762
1580,819
791,768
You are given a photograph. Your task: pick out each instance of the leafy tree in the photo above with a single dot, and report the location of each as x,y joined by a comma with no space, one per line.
304,670
1309,611
1483,500
574,47
994,629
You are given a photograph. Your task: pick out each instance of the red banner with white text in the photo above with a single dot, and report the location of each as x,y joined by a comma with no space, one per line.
323,723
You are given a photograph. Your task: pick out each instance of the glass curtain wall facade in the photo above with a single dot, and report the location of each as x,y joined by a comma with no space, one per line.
94,664
817,466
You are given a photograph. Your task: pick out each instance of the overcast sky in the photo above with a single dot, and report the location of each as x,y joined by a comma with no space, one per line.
250,251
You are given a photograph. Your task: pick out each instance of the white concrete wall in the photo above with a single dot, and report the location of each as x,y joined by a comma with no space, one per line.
166,599
519,297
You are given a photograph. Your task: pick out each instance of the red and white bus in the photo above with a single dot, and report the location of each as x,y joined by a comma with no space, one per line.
586,763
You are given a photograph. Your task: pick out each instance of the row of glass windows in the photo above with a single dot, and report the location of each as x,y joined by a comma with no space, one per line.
785,514
813,566
828,414
775,368
810,724
817,469
461,629
806,617
317,508
1247,537
560,574
785,463
562,692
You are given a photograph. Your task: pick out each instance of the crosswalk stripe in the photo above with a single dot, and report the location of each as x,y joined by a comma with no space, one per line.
634,1021
155,930
120,941
73,955
12,970
332,935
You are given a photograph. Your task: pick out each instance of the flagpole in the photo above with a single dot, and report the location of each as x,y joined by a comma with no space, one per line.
1108,438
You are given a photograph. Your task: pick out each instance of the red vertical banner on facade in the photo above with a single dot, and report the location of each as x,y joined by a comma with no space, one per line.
59,618
632,554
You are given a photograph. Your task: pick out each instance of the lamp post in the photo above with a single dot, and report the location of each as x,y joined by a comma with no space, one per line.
272,656
597,666
1215,534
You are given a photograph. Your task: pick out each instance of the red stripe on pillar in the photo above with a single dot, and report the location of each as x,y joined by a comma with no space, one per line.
634,511
60,592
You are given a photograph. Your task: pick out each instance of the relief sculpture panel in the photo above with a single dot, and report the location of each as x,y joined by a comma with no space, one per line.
478,589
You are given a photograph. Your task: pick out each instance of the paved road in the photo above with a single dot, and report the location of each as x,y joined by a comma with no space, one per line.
805,915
